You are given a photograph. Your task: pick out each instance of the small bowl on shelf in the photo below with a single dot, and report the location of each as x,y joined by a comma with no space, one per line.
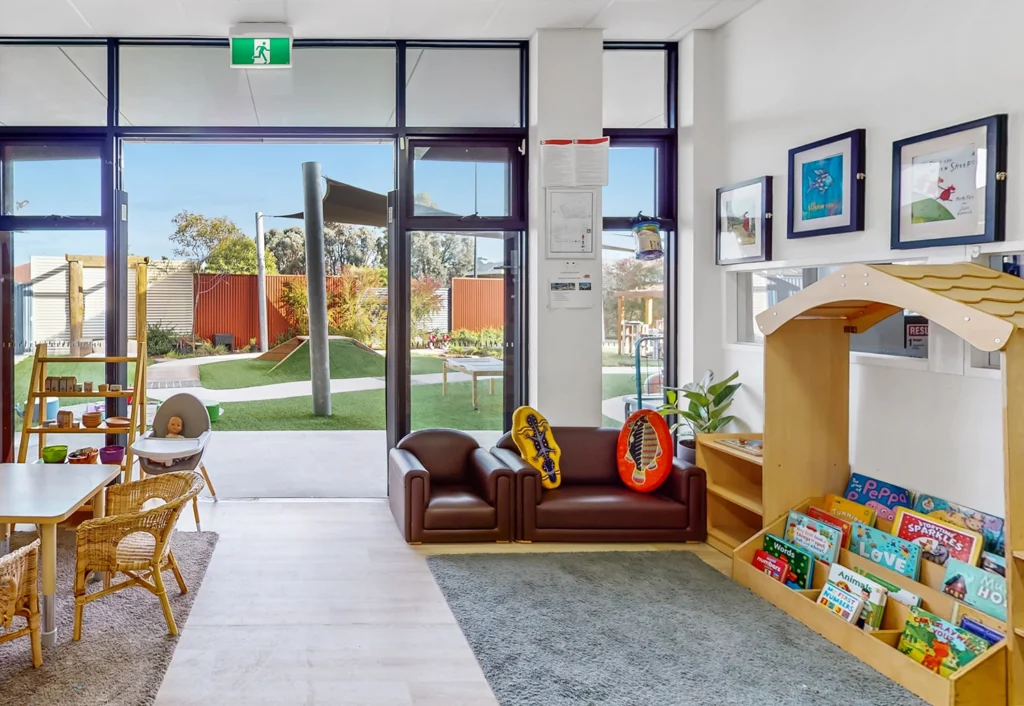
55,454
84,455
118,422
91,420
112,454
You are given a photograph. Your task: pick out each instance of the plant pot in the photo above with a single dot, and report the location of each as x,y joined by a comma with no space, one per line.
55,454
112,454
686,450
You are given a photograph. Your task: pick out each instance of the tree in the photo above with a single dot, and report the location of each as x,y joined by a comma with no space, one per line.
195,236
236,255
624,275
289,248
441,256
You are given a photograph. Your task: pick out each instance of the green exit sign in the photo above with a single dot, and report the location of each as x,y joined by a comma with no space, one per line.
261,52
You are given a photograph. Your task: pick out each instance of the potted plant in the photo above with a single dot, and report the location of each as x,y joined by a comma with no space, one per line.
705,412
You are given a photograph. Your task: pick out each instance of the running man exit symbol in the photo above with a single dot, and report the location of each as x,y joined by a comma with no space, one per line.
262,51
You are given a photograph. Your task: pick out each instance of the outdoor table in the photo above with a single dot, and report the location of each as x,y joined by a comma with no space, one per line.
45,494
475,368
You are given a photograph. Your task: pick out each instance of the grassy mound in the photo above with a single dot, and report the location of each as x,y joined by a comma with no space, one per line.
347,361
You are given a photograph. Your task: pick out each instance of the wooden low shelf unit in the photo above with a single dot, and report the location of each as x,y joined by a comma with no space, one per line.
735,491
980,683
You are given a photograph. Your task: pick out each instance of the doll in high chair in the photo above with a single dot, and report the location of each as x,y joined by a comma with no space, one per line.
174,427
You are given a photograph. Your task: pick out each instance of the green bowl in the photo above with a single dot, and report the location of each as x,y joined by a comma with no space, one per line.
55,454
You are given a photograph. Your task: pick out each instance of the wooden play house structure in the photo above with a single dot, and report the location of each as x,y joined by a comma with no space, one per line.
806,456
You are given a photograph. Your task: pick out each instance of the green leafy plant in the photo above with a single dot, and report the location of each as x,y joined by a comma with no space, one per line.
705,412
160,339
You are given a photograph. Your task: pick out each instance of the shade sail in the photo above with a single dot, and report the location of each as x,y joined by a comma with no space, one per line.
344,203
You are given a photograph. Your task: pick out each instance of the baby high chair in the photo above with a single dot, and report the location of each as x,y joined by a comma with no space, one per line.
158,454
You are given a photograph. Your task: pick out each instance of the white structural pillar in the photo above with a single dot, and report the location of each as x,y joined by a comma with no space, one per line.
261,281
565,344
701,307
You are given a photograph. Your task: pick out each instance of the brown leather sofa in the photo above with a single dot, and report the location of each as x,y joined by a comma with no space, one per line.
592,505
445,488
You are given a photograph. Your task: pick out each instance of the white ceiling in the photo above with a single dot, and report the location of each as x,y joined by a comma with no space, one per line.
356,19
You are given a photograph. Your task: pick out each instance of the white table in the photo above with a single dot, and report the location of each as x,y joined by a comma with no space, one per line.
475,368
45,494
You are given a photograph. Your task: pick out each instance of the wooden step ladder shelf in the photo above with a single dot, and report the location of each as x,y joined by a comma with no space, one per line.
806,455
37,396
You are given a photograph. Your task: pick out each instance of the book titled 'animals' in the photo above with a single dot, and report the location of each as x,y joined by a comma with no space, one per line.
937,644
871,593
938,541
821,540
893,553
801,563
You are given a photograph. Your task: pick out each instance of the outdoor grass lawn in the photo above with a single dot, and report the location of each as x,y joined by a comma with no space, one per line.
365,409
347,361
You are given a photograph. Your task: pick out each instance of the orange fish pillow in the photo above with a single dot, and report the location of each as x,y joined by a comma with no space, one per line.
645,451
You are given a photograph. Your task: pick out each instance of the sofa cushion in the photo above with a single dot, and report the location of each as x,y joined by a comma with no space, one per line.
608,507
458,507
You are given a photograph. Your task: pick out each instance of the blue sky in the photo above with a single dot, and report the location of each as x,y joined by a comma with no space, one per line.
236,180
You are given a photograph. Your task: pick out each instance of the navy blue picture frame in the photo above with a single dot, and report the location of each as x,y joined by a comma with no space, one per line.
995,184
765,221
858,140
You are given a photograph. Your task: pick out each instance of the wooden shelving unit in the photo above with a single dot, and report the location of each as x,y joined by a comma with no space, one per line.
735,490
36,394
806,454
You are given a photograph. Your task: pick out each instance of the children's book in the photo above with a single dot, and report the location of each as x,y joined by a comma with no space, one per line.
848,509
981,630
994,563
939,541
938,644
878,495
839,523
873,594
988,526
843,603
773,566
801,563
754,447
896,593
976,587
893,553
821,540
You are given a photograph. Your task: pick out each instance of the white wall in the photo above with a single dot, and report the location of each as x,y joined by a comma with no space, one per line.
794,71
566,85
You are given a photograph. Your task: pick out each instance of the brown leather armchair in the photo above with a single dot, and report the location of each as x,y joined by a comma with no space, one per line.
593,505
444,488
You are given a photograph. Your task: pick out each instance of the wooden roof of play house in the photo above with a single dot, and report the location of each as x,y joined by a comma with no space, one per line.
982,306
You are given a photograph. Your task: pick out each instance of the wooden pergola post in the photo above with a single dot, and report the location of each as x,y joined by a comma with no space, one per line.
76,309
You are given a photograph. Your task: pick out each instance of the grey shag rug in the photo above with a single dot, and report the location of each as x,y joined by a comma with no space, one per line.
125,647
642,629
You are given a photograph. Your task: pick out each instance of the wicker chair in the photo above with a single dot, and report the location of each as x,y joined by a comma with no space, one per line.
133,541
19,595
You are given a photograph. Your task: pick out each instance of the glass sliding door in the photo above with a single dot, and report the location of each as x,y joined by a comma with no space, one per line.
457,266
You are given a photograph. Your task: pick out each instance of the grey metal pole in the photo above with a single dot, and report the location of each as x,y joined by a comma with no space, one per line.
316,285
261,281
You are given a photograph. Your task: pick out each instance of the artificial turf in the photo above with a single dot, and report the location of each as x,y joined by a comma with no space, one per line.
347,360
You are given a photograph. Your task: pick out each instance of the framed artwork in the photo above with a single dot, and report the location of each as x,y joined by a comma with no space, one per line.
744,213
949,186
826,186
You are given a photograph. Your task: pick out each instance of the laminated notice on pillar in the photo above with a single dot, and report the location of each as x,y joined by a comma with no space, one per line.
580,162
571,290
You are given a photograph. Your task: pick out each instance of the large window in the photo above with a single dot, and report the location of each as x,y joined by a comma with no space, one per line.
903,334
53,85
190,85
447,87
